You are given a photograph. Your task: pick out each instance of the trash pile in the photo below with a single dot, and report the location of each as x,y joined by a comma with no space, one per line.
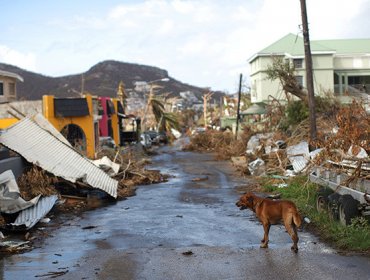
342,143
223,143
57,175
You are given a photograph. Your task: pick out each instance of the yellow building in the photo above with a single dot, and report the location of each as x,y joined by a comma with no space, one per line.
77,119
74,118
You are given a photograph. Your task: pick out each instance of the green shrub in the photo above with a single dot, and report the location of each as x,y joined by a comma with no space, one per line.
297,111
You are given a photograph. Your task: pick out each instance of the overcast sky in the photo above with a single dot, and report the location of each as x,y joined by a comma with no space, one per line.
205,43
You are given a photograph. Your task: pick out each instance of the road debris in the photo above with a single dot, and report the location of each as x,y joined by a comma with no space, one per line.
53,274
188,253
59,178
198,179
51,154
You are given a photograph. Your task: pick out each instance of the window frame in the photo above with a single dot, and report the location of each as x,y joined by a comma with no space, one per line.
299,79
2,93
298,63
12,89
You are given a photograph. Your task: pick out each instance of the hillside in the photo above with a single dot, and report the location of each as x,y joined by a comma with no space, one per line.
102,79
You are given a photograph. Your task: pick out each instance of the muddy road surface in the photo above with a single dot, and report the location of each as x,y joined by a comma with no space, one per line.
186,228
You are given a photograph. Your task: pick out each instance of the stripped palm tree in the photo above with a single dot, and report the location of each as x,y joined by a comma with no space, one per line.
163,120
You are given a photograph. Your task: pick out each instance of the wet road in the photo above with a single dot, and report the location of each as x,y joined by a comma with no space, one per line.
186,228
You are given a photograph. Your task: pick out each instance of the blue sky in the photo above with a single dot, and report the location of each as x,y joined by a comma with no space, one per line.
205,43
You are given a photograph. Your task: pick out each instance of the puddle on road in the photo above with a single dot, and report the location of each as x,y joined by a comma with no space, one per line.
196,198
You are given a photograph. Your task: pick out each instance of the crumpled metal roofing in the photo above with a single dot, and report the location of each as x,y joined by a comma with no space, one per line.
10,198
298,156
43,149
32,215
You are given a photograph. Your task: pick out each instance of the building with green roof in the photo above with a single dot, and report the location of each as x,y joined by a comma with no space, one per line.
341,67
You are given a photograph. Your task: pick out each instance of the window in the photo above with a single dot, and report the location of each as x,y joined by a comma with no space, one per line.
1,88
12,89
298,63
299,80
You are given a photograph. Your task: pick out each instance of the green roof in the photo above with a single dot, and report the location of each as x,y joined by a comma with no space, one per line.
347,46
293,45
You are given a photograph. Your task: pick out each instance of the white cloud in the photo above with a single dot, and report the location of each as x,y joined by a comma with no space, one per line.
205,43
183,7
166,27
118,12
13,57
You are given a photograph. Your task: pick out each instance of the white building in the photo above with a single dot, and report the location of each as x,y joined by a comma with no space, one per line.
339,66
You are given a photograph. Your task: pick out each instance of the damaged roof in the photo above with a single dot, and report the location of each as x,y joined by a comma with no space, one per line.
43,149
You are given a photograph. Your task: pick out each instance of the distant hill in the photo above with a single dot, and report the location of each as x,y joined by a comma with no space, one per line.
102,80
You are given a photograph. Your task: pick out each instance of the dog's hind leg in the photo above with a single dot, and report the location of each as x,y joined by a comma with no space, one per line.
265,240
292,231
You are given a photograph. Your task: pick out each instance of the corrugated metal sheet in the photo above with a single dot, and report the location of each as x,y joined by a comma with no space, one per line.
298,156
45,150
45,124
31,216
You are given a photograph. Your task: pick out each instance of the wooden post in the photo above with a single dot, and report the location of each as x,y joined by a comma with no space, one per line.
238,108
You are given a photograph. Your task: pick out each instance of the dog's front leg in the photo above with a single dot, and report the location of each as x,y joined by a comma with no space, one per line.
265,240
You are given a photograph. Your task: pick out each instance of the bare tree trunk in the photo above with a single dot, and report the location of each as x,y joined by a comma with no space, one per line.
205,100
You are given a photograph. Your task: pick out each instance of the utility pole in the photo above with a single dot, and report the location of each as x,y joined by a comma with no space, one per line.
238,110
82,84
309,78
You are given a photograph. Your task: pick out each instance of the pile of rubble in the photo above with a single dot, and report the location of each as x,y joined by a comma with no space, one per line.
343,142
59,176
222,143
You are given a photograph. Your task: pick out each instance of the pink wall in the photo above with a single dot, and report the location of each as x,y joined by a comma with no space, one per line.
103,122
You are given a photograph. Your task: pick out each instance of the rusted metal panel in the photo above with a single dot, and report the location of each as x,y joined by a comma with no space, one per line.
43,149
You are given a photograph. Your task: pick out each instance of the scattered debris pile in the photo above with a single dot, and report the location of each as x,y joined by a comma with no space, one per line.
343,142
223,143
343,139
60,176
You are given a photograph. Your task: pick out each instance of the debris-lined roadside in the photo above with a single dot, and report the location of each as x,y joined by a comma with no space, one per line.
337,161
343,143
60,177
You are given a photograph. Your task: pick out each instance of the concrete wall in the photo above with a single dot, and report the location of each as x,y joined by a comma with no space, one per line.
9,89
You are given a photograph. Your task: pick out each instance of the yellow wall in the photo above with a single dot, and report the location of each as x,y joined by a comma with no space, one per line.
4,123
86,123
115,124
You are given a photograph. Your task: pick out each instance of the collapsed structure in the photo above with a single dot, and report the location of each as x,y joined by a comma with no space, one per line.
40,144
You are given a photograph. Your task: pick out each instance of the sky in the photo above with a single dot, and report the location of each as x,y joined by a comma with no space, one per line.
205,43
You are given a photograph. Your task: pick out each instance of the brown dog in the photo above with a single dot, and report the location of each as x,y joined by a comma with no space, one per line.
270,212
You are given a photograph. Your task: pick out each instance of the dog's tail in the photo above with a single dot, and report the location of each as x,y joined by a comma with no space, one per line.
297,220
